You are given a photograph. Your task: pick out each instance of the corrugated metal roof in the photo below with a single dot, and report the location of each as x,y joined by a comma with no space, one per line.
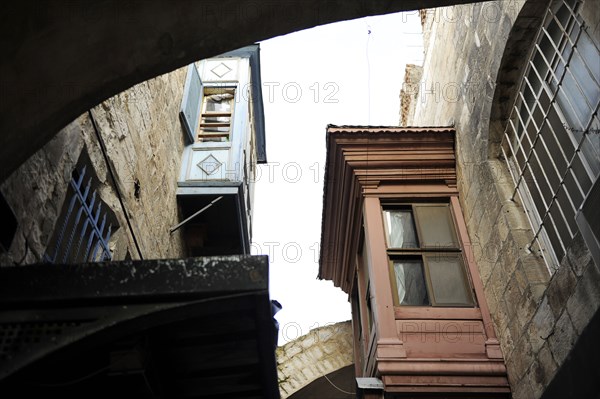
387,129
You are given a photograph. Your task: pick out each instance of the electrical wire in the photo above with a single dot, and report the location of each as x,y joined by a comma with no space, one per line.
368,74
368,95
339,389
116,186
315,361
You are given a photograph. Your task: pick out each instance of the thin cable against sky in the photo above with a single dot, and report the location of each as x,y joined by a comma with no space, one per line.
313,78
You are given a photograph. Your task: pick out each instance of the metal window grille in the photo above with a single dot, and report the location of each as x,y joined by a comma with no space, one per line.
551,141
81,236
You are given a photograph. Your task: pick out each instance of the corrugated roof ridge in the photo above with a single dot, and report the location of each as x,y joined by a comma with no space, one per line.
390,128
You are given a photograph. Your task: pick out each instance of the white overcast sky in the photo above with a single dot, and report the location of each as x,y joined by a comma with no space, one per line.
339,74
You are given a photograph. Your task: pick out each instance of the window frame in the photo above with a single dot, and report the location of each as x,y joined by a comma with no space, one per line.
85,225
425,253
212,89
547,144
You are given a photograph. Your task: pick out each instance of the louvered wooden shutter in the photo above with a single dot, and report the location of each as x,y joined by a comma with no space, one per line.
192,100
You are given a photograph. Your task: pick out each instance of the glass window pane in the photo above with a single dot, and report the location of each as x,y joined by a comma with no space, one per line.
219,103
410,282
400,229
582,75
435,226
591,146
448,280
573,104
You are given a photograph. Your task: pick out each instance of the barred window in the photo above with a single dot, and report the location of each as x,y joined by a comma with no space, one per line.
552,141
85,224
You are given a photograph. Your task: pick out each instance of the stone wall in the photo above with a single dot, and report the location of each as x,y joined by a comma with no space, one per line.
143,138
537,316
318,353
409,93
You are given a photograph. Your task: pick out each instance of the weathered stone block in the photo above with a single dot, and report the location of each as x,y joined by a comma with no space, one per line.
520,277
578,254
478,205
487,225
563,339
308,340
542,325
535,269
500,317
513,298
537,290
499,280
301,363
285,389
585,301
515,216
491,247
522,358
522,389
316,352
526,309
501,227
514,333
510,255
485,269
541,372
492,301
507,342
561,288
293,350
522,238
309,374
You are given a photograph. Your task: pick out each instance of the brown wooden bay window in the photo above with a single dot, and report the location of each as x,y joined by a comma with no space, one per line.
425,257
394,237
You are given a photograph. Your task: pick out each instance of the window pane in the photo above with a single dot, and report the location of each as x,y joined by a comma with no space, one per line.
435,226
448,280
410,282
591,146
400,229
219,103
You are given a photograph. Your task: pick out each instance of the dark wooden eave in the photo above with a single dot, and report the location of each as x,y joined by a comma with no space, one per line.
360,158
191,328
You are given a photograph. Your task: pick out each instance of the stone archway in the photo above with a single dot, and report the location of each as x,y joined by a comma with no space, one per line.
324,355
60,58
